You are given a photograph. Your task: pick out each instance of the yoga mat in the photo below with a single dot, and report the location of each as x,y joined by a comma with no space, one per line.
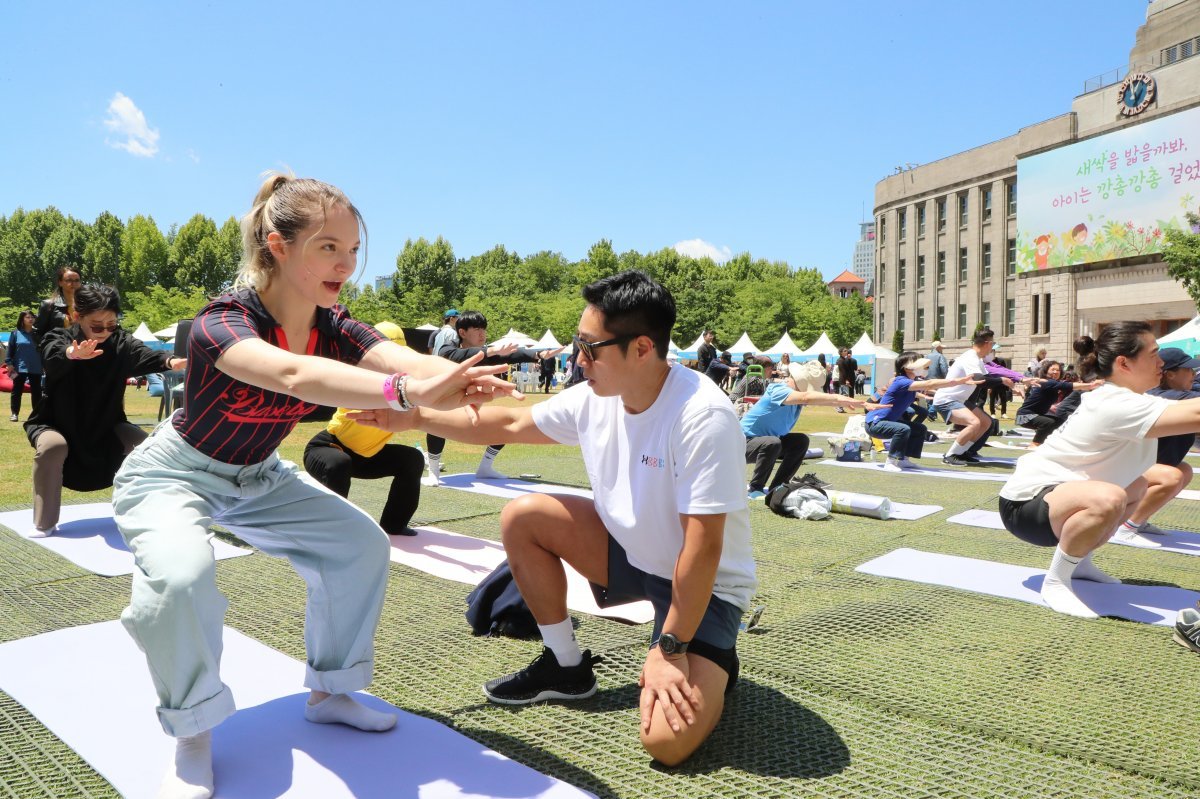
907,512
508,488
88,537
105,712
1184,543
982,458
1188,494
924,471
466,559
1151,604
860,504
1002,445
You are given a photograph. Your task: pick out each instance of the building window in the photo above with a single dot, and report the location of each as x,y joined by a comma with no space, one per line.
883,277
920,323
1011,188
962,321
962,264
941,214
1045,313
882,229
903,276
882,331
941,319
1012,256
987,261
1010,317
985,203
921,219
941,268
900,323
1033,320
920,271
843,292
902,222
985,314
962,209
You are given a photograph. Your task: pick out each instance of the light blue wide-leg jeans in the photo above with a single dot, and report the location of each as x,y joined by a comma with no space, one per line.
166,496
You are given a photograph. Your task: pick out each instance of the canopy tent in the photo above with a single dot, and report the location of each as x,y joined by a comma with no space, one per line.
784,345
881,360
1186,338
689,353
672,346
167,332
143,333
822,346
514,337
548,341
428,326
743,345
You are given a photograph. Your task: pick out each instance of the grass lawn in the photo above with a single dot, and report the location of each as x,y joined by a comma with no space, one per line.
854,686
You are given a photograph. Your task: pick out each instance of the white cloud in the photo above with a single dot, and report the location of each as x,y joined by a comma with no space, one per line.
127,120
192,155
699,248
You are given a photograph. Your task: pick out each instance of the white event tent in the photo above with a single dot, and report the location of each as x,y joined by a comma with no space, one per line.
784,345
743,345
1186,338
514,337
881,360
822,346
143,333
548,341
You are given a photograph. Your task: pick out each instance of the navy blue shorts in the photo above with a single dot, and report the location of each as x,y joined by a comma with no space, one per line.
715,638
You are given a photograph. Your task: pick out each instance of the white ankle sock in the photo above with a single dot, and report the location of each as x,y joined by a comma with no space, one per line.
343,709
1056,588
958,449
190,775
434,478
487,468
560,638
1086,570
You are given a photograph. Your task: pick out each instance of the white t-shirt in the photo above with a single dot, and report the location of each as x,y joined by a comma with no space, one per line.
969,363
1105,440
684,454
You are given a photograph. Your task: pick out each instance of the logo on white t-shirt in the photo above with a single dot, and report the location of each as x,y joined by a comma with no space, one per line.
654,462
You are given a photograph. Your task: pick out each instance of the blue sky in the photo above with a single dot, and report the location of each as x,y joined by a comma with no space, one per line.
758,126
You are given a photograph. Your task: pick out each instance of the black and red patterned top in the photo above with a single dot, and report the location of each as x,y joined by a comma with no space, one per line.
238,423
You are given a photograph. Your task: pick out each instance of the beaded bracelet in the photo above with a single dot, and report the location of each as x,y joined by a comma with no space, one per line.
390,386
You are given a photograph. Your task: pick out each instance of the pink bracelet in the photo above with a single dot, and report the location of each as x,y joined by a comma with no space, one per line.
396,403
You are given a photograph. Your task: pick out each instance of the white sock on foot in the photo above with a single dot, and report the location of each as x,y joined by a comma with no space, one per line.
1086,570
958,449
434,478
1056,588
190,775
487,468
560,639
343,709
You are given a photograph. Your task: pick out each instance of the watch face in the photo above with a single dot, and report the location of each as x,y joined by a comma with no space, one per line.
668,643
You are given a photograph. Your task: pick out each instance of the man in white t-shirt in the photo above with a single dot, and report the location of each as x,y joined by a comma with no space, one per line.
669,521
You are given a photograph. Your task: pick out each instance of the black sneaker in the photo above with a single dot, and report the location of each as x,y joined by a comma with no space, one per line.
545,679
812,480
1187,629
954,460
970,459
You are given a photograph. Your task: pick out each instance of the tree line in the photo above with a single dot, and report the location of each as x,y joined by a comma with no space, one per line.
164,277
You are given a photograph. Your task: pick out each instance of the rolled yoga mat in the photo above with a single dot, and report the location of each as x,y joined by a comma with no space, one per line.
860,504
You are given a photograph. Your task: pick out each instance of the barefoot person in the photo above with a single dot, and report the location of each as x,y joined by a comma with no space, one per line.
261,358
668,522
1072,492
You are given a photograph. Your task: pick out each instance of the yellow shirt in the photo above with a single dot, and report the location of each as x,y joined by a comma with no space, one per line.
363,440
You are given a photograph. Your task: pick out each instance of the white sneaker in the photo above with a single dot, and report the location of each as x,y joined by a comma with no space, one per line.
34,532
1130,537
892,465
906,463
434,478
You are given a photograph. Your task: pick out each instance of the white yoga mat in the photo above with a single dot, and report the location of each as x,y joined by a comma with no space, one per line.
88,537
466,559
1180,541
1001,445
907,512
105,712
509,488
982,458
1189,494
1151,604
922,470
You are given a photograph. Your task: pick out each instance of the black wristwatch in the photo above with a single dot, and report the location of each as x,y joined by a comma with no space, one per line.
670,645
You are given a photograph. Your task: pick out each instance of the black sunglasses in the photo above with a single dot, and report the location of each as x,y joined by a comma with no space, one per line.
589,348
98,329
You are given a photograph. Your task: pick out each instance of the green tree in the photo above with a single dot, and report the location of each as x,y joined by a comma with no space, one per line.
898,340
22,267
102,255
426,281
64,246
161,307
144,256
229,239
372,307
1182,254
198,257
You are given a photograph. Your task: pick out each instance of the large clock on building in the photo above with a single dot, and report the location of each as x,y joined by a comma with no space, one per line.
1135,93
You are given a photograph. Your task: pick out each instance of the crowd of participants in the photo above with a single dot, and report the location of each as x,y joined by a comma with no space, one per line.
1109,440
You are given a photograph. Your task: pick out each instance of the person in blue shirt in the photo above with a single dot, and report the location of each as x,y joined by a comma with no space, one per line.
768,424
23,363
890,421
1171,473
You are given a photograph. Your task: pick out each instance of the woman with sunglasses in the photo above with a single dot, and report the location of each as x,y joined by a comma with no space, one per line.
59,310
79,431
23,363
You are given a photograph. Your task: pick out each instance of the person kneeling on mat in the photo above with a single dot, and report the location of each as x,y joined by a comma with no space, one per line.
889,422
1072,492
